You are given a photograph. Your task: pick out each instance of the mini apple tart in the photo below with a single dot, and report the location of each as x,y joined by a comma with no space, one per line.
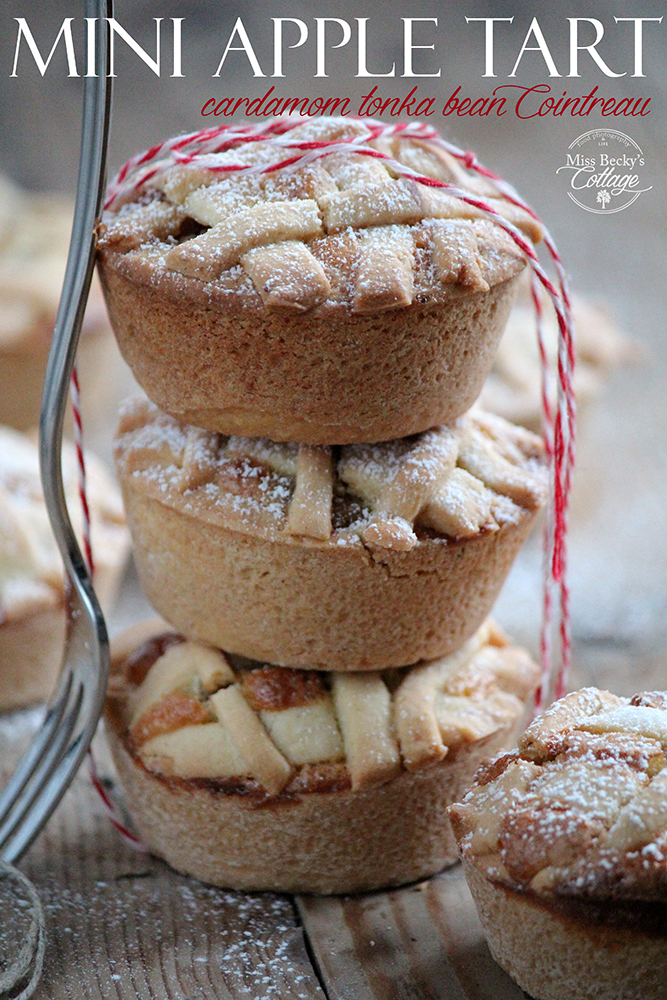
330,301
259,777
564,843
35,229
32,599
513,388
345,558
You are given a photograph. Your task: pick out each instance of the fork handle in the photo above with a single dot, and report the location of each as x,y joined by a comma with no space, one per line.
78,275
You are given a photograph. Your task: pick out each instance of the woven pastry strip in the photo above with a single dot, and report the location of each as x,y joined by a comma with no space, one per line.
310,507
363,707
473,476
272,719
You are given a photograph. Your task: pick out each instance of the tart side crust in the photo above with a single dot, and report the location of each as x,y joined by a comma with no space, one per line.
305,604
556,955
321,829
327,842
30,655
330,377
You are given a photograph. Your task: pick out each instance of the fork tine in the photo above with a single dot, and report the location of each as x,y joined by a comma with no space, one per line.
52,759
44,796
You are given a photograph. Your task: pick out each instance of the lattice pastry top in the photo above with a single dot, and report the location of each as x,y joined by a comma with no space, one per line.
343,228
456,481
31,572
580,810
192,712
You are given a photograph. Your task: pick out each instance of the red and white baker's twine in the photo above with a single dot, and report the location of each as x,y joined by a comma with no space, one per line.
75,399
81,466
559,426
111,811
107,804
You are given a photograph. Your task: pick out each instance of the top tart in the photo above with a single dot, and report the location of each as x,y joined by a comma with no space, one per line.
335,299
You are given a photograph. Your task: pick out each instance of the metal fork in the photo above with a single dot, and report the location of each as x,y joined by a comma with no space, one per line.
53,758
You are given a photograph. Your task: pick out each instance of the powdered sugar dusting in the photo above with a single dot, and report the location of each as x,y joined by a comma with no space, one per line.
592,818
250,483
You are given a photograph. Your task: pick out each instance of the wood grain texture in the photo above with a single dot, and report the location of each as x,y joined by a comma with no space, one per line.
453,913
122,926
382,946
423,942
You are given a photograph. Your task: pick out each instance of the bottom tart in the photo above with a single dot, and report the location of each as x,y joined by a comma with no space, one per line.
564,844
251,776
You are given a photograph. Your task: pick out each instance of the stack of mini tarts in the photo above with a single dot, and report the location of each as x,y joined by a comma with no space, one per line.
315,497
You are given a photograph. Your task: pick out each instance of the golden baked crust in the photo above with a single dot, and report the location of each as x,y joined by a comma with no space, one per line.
578,951
329,302
280,757
581,808
569,833
31,573
349,559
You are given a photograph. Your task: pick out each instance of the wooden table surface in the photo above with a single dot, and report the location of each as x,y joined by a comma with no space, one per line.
121,925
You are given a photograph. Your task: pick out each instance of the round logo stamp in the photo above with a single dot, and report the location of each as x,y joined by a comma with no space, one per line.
605,169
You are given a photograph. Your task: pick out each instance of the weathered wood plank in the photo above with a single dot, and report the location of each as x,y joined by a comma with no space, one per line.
419,943
122,926
453,913
381,946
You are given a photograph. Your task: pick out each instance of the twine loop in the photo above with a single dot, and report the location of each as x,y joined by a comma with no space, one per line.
24,971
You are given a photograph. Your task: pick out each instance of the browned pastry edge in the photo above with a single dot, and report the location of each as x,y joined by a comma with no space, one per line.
317,832
332,841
